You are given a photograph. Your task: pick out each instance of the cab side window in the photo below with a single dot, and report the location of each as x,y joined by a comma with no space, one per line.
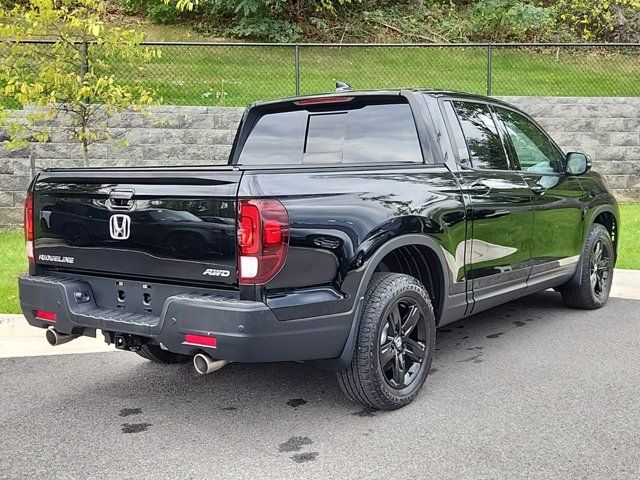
458,136
532,147
481,134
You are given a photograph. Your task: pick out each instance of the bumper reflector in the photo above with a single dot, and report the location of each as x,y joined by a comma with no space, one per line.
49,316
200,340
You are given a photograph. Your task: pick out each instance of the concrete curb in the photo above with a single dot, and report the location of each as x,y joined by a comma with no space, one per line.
626,284
6,318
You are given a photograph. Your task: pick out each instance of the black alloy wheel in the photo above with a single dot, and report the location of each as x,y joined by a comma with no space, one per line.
394,346
590,287
599,268
403,345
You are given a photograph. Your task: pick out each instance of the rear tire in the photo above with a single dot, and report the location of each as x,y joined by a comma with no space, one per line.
395,343
157,355
597,260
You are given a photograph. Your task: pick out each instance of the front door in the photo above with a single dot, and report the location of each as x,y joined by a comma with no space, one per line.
500,208
557,210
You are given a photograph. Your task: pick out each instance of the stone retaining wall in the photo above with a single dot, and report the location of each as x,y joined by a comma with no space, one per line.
606,128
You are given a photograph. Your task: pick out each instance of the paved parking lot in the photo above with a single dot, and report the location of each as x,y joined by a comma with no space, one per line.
527,390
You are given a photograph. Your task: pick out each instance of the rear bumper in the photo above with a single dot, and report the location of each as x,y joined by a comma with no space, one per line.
245,331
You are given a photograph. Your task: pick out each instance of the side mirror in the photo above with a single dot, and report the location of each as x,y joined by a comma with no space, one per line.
578,163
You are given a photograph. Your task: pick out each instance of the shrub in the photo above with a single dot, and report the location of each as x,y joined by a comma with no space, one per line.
273,29
599,19
132,7
406,20
511,20
161,12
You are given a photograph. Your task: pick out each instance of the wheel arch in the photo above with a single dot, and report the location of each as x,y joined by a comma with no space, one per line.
600,214
423,243
607,217
403,246
421,262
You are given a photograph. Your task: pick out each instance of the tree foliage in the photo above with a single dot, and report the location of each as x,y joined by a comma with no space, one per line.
597,19
510,20
58,79
406,20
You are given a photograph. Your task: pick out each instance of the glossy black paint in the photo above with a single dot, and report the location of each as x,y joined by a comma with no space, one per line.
341,216
178,230
491,235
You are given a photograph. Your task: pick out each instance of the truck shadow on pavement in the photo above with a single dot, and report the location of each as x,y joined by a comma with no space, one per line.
240,392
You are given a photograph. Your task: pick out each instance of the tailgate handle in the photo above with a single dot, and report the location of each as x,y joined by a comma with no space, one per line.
120,199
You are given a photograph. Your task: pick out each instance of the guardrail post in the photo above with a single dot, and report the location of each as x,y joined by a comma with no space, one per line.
296,59
489,62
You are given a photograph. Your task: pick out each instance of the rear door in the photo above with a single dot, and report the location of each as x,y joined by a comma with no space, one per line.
499,260
153,224
557,210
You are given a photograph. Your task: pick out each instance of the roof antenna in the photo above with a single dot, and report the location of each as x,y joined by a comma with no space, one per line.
342,86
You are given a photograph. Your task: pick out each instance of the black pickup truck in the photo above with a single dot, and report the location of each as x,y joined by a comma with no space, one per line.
344,230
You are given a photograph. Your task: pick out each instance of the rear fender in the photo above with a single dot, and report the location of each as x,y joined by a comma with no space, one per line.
344,360
577,276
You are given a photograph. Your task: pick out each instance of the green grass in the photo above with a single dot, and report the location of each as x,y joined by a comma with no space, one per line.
184,74
629,246
214,74
13,262
155,32
198,75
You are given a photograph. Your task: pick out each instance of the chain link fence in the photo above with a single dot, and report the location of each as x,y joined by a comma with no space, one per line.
235,74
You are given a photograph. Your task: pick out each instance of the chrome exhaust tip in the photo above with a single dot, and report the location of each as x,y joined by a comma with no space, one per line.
204,364
56,338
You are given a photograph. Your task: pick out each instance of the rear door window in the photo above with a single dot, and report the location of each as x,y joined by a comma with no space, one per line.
481,134
376,133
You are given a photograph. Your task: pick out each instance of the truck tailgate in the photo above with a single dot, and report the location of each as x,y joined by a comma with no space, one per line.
177,224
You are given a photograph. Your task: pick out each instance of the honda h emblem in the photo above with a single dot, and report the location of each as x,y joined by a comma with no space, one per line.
120,226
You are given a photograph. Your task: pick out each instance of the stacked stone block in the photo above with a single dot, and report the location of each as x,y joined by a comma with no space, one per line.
607,128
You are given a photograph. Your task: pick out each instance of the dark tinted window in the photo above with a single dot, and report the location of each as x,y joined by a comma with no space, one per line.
326,138
371,134
533,149
458,137
276,138
480,132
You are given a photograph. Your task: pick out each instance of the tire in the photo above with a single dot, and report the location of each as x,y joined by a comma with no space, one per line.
596,261
372,378
157,355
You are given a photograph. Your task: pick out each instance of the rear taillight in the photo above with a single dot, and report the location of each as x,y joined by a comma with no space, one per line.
28,226
263,239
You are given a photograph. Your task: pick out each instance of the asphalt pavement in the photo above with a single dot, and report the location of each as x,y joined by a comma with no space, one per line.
530,389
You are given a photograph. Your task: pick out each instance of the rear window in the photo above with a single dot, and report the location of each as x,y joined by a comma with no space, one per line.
377,133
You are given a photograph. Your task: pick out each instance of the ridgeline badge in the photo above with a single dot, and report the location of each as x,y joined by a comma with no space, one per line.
55,258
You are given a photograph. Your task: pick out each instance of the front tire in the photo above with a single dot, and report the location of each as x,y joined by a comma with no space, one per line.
155,354
395,343
597,260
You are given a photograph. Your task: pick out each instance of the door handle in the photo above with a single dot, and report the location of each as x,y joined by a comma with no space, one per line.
538,190
479,188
